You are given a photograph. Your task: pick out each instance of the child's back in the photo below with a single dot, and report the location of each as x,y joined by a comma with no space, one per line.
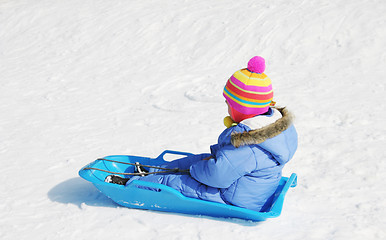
249,174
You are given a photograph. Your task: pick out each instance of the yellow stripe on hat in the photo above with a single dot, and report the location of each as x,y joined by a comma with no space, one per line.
253,75
252,81
248,105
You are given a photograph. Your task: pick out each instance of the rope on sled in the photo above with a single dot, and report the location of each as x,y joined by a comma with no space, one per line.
139,173
136,174
141,165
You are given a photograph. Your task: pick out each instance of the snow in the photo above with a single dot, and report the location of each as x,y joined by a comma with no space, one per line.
86,79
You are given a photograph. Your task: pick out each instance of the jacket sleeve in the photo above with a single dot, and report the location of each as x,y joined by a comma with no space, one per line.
213,149
224,169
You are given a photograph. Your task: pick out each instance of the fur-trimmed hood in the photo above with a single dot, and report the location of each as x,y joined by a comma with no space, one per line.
257,136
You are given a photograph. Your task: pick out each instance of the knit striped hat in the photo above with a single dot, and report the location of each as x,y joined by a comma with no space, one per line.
249,90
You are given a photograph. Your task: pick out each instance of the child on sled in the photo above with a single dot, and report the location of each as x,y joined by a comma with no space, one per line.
244,167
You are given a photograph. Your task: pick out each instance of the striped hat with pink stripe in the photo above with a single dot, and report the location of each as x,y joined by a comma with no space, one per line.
249,90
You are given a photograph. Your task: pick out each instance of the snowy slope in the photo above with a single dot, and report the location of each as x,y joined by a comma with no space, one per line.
85,79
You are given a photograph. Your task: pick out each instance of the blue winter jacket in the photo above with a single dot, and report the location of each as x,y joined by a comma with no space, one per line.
245,165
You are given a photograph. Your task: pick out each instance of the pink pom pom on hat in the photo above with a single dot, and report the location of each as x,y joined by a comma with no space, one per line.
256,64
249,90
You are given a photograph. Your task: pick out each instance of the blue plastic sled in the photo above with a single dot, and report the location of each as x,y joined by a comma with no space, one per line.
159,197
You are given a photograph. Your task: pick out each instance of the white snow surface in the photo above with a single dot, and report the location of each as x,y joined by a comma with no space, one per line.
85,79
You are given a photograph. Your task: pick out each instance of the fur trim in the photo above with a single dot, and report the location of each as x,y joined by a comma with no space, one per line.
260,135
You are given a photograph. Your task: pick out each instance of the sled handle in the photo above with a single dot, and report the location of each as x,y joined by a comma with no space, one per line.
153,187
161,156
293,180
278,205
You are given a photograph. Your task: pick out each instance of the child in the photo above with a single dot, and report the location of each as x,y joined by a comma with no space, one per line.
244,167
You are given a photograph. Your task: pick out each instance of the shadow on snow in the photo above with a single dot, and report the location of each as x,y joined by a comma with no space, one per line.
77,191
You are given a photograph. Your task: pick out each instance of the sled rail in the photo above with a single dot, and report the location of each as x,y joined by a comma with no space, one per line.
277,204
